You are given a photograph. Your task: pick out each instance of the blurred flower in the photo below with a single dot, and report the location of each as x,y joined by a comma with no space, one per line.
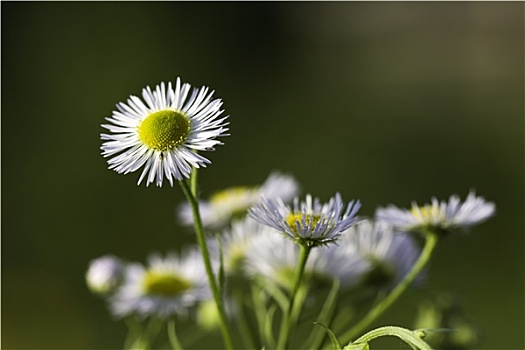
163,132
367,253
308,223
341,262
167,286
275,259
236,242
389,255
233,202
440,216
104,274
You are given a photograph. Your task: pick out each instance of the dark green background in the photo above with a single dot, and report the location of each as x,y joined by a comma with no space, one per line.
385,102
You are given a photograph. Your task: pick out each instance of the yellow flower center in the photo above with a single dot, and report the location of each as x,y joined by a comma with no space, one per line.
164,284
293,218
235,201
164,130
429,214
229,194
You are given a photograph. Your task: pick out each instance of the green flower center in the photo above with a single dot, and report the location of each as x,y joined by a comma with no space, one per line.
164,130
237,255
294,218
164,284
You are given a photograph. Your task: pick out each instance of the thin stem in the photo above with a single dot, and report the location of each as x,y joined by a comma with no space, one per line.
153,328
172,335
412,338
316,338
274,291
148,335
134,331
268,326
286,324
300,297
373,314
259,308
242,323
193,182
199,231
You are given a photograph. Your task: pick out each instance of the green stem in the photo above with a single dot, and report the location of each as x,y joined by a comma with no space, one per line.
316,338
430,243
148,335
412,338
242,323
259,308
286,324
172,335
193,182
153,328
134,331
300,297
199,231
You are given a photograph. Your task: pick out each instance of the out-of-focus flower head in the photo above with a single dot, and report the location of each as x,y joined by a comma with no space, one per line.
233,203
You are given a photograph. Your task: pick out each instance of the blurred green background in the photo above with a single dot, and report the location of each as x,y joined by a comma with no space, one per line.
385,102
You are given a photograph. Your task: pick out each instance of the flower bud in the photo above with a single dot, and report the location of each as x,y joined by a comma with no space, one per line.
104,274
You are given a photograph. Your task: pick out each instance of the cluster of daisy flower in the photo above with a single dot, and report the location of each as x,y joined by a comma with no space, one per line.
258,239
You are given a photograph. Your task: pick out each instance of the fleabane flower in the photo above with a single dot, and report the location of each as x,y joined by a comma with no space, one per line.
339,262
234,202
167,286
439,215
309,222
275,259
236,242
163,131
389,254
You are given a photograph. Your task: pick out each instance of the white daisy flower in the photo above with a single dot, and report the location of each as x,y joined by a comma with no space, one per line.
234,202
236,243
167,286
275,258
389,255
104,274
341,262
310,222
163,132
442,216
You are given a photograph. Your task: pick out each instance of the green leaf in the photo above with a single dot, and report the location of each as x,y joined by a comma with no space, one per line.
412,338
335,343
